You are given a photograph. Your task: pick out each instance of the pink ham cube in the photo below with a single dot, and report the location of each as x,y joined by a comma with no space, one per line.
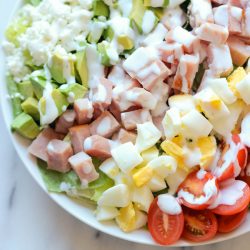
179,35
246,23
201,12
240,51
98,146
84,110
124,136
65,121
101,94
186,72
171,52
84,167
152,73
218,66
77,135
130,119
38,147
105,125
58,154
213,33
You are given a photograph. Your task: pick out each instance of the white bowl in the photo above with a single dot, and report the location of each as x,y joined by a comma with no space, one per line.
81,210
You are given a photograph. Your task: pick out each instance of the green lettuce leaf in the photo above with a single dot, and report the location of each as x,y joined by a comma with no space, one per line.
70,183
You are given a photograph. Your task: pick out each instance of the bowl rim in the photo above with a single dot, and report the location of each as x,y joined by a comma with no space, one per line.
30,165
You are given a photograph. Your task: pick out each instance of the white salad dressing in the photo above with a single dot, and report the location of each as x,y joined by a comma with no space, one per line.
192,157
51,111
210,189
95,68
201,174
229,194
169,204
87,144
245,130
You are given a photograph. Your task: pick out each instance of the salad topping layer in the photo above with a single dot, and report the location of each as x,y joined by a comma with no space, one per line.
140,106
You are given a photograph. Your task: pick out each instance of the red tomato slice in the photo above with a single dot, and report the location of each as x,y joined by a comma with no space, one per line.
233,168
245,174
165,229
199,225
239,205
228,223
194,185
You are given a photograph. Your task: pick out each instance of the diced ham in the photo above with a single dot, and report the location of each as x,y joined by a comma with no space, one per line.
84,110
38,147
65,121
201,12
101,94
219,59
240,3
84,167
77,135
115,110
203,51
246,23
58,154
105,125
160,91
123,136
186,72
130,119
151,74
140,97
171,52
213,33
229,17
220,1
240,51
139,59
190,42
98,146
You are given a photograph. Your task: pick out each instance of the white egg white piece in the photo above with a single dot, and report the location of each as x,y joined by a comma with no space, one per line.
110,168
147,136
157,183
243,88
104,213
117,196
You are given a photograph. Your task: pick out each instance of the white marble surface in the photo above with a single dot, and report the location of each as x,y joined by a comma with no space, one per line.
30,220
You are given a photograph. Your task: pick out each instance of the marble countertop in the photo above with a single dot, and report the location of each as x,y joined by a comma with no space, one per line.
30,220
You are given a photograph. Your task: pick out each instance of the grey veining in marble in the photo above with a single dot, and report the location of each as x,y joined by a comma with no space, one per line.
30,220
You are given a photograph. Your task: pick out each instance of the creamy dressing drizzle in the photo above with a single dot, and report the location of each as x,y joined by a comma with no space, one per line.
169,204
229,194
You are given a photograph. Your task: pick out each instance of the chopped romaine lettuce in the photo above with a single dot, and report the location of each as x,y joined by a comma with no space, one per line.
33,2
71,184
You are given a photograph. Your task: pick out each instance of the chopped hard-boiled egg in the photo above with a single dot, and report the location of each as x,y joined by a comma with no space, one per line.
207,146
172,123
117,196
126,218
143,197
184,103
149,154
238,75
226,125
131,218
192,156
106,213
126,156
110,168
243,87
147,136
209,103
157,183
195,125
172,149
142,176
163,165
221,88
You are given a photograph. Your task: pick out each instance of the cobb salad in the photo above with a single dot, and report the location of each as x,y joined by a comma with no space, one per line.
139,106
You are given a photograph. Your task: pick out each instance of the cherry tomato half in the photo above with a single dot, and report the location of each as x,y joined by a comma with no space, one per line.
228,223
234,166
199,225
165,229
194,186
240,204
